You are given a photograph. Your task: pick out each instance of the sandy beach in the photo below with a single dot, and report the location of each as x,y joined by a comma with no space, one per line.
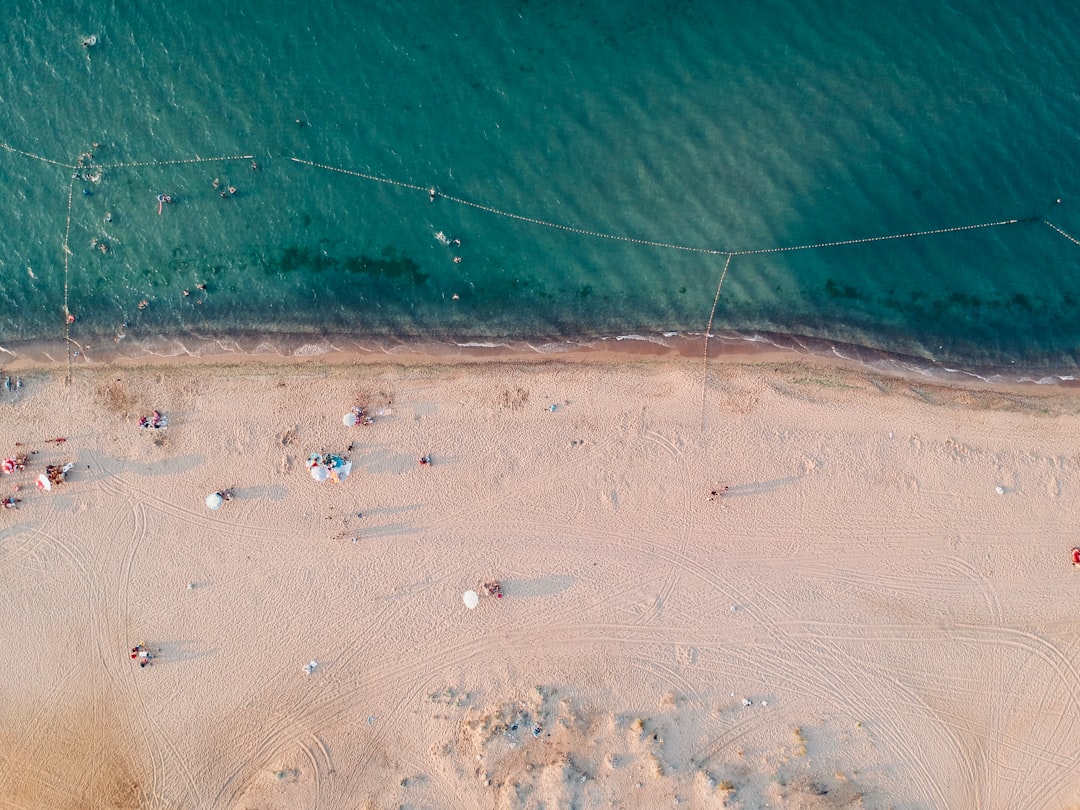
789,585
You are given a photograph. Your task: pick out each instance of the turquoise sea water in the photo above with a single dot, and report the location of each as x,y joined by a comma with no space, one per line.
723,126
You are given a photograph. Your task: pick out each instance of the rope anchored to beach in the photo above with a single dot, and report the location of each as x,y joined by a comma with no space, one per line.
708,334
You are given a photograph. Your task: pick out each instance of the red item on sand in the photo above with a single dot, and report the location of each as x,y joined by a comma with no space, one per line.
1076,557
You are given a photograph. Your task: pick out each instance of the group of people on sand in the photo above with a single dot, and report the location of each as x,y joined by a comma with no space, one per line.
155,420
362,416
14,464
142,654
55,474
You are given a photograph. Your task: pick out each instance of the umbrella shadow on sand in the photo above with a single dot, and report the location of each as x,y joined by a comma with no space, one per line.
167,466
536,588
17,529
276,492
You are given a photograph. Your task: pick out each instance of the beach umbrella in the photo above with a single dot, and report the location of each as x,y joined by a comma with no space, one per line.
349,420
43,482
471,599
9,465
214,500
340,470
320,473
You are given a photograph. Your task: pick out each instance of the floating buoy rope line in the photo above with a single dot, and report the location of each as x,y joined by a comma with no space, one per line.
74,168
1072,239
434,193
68,317
708,332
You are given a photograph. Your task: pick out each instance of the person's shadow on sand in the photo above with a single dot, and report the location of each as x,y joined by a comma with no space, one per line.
113,466
760,487
178,652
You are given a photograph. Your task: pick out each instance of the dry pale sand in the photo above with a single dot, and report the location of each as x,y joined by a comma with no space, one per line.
862,620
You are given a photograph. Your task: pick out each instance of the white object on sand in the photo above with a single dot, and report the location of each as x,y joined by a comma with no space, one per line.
999,490
471,599
310,667
214,500
320,473
341,471
349,420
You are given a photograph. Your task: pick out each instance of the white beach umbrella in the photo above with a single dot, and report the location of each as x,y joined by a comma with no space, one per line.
44,482
214,500
471,599
320,473
349,420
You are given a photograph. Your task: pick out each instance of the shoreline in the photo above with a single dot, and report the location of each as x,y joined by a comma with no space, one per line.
335,349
